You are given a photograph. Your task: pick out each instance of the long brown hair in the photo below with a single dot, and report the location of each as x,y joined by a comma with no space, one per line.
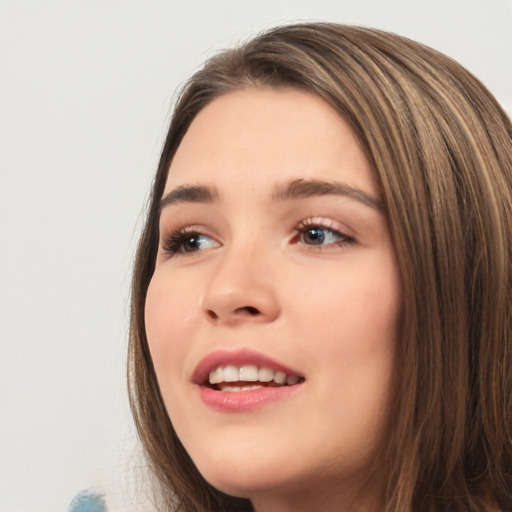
441,150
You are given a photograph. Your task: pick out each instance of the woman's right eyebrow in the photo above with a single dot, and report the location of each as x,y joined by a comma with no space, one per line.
189,194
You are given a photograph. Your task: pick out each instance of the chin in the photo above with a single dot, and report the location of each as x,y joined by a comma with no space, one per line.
237,476
252,484
243,475
240,486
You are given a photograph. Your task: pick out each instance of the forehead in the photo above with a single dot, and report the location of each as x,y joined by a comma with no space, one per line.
264,135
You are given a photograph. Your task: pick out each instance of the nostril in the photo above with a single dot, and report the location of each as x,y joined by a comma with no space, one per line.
248,309
212,314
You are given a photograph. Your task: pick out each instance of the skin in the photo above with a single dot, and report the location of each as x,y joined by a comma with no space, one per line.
328,310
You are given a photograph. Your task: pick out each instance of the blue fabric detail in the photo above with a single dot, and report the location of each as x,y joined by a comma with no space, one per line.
88,501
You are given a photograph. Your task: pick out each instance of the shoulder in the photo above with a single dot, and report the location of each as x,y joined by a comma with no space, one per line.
88,501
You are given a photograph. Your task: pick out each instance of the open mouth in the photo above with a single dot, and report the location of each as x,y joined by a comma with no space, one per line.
233,378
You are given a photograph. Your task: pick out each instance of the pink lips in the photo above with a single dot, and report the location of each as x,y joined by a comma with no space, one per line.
244,400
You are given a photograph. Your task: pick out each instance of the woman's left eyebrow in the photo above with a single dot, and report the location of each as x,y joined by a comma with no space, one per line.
301,188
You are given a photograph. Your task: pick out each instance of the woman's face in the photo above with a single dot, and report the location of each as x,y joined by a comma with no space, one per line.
271,316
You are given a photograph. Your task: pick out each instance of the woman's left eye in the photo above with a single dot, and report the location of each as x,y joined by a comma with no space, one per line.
321,235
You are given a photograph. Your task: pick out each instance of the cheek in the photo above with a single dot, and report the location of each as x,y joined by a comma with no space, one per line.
353,323
169,317
359,357
353,306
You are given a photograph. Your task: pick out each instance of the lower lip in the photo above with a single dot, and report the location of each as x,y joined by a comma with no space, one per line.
242,401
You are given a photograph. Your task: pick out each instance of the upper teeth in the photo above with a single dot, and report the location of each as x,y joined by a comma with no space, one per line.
250,373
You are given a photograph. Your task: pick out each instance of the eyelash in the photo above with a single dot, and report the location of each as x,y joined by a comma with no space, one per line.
175,242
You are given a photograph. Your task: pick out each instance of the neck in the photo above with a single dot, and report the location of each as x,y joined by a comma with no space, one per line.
340,497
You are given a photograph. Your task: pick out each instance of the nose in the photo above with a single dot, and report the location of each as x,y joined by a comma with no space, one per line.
241,289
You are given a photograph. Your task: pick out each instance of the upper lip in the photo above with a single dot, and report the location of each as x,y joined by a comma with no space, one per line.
238,357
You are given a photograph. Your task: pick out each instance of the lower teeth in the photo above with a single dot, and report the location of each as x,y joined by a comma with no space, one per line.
240,388
249,386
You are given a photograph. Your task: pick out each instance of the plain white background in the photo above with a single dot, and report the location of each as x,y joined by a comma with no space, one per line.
86,88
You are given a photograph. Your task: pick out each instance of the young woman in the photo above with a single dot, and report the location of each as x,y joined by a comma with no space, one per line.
321,309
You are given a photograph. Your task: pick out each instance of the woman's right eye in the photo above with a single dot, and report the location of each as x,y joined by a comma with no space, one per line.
188,241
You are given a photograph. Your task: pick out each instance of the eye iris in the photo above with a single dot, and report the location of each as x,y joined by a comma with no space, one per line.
191,243
314,236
